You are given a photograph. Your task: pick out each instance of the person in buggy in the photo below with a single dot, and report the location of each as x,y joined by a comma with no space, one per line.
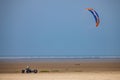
28,70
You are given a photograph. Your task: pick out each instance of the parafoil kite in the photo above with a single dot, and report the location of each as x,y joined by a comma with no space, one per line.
96,16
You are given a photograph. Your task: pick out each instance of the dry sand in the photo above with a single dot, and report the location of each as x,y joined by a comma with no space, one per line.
63,76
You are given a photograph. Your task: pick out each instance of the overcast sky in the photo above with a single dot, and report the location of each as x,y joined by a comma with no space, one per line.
59,28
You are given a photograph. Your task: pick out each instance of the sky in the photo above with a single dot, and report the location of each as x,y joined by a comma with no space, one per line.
59,28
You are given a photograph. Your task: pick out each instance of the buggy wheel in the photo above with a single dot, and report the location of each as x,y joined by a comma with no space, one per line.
23,71
35,71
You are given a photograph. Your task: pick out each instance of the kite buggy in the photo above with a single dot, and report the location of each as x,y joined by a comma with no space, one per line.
28,70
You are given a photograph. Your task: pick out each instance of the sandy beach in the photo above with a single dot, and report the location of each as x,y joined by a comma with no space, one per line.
60,70
15,66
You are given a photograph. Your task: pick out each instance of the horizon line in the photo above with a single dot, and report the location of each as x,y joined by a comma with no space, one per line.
62,57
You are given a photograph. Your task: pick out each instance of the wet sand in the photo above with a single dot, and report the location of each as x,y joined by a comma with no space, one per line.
59,66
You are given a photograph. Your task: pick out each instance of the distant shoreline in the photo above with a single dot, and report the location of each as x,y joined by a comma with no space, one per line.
63,57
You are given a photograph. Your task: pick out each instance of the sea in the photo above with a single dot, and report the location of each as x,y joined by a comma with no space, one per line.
60,58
